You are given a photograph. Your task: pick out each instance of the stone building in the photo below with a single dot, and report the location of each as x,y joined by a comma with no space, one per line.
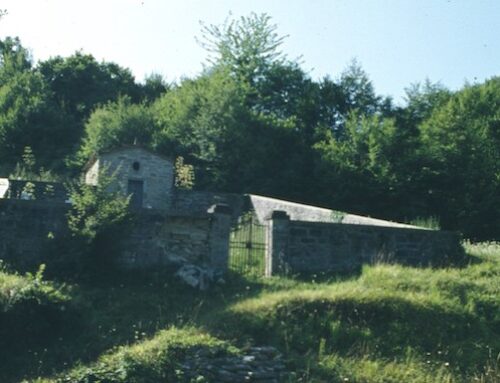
146,176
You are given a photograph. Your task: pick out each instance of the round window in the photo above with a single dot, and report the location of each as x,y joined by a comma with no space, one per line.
136,166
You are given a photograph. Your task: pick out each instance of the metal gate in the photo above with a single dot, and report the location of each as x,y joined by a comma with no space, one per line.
248,246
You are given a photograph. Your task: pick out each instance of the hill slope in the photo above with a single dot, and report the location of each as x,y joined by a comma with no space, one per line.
388,324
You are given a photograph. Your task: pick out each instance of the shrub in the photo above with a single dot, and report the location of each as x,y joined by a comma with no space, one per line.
98,219
32,310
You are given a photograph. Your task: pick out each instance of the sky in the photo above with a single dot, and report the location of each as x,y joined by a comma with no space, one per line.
397,42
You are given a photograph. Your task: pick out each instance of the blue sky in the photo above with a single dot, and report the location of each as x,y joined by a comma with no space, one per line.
398,42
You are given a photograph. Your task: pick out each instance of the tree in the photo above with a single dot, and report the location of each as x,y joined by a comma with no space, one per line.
356,171
357,89
460,144
14,58
194,120
154,87
232,146
353,91
80,83
246,47
116,124
28,117
276,98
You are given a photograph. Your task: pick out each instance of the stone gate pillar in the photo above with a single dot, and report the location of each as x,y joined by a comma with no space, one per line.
277,243
220,227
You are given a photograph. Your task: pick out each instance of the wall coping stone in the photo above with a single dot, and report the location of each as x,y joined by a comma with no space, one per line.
375,227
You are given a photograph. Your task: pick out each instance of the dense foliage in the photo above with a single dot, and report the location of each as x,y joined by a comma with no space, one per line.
255,121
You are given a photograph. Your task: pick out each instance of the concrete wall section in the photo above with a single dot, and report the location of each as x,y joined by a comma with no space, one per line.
264,206
316,247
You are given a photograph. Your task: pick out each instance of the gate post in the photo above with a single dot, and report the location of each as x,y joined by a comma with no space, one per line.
277,243
220,227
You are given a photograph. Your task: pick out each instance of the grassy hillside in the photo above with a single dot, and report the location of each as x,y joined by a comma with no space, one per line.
391,324
388,324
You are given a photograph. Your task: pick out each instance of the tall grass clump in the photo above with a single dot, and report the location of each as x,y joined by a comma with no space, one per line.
426,222
153,360
32,313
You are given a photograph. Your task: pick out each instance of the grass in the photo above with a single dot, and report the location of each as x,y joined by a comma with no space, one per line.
387,324
152,360
32,312
247,247
426,222
16,289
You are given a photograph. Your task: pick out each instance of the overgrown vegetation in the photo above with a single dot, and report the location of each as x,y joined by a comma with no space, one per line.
153,360
27,169
98,219
32,312
388,324
184,174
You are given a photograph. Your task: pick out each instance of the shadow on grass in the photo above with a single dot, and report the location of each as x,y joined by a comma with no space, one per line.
384,328
116,309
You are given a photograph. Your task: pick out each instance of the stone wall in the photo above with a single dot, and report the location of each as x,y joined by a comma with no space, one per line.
191,202
38,190
300,246
156,239
26,226
175,240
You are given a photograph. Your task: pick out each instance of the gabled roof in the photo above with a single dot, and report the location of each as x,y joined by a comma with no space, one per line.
96,156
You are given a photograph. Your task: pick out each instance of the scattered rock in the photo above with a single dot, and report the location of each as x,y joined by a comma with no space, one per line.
258,364
198,277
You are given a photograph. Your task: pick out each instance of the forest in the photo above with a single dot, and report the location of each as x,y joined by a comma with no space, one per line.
254,121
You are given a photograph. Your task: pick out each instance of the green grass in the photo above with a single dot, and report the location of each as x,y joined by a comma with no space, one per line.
430,325
426,222
32,313
15,289
387,324
151,360
247,247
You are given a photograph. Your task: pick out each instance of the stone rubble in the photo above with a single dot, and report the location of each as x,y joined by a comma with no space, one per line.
258,364
198,277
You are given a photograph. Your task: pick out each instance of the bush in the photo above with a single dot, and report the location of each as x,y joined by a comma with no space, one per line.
98,219
32,310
